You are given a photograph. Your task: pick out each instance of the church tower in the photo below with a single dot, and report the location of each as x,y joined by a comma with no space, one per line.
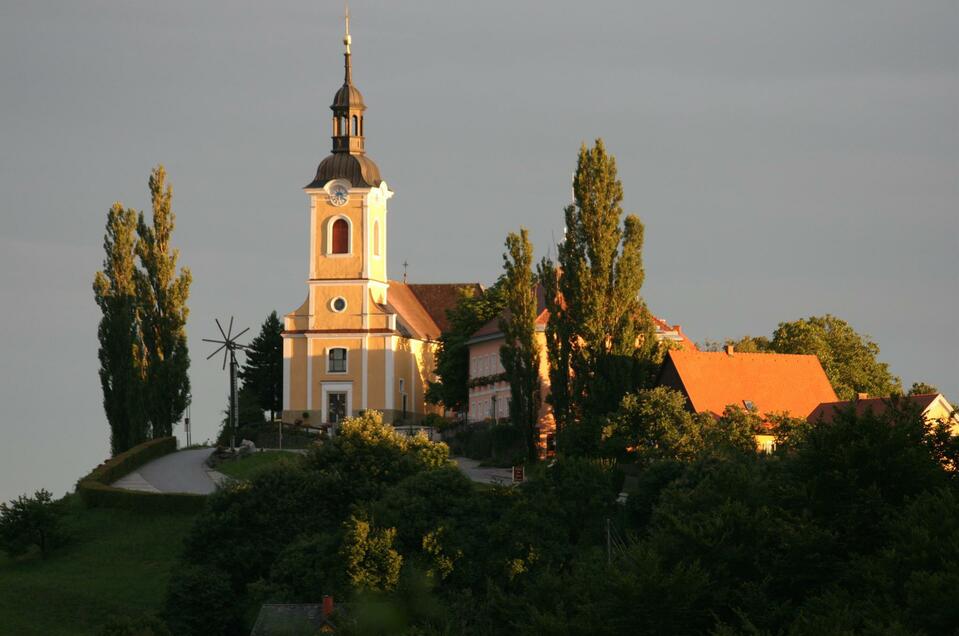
359,341
347,267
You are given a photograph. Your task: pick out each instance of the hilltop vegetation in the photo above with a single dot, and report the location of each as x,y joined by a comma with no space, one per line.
117,563
849,527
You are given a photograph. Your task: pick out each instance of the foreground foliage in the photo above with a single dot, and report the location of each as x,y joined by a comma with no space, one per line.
850,527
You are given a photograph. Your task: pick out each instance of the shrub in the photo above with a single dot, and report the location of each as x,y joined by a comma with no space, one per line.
31,521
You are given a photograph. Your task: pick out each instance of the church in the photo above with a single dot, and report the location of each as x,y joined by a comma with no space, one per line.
360,340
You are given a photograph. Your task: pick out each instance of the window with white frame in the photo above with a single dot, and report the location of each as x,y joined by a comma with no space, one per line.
336,360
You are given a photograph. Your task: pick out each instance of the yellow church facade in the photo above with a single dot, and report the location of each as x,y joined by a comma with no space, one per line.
359,341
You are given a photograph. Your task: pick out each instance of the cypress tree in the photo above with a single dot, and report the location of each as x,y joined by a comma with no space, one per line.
162,293
597,315
120,350
262,373
519,353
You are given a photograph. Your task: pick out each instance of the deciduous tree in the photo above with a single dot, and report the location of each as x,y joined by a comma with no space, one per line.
162,293
26,522
520,353
596,305
120,352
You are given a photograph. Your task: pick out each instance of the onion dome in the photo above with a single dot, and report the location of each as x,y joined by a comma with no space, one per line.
348,159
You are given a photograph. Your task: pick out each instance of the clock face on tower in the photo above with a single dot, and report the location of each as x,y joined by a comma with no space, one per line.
339,195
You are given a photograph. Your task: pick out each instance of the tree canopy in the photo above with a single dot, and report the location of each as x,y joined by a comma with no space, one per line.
597,315
262,371
142,297
520,351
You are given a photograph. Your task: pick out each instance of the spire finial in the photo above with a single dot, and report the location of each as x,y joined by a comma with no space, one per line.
347,40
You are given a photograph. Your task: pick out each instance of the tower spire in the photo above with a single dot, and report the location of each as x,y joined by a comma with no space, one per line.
347,40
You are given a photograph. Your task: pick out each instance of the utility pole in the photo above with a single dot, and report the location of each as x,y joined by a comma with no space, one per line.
234,411
186,421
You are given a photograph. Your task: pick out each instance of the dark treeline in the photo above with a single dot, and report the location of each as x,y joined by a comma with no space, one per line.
851,527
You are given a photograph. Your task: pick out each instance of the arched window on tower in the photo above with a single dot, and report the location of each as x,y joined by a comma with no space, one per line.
376,238
356,126
340,239
361,126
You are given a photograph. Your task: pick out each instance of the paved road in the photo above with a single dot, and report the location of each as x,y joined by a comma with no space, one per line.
184,471
474,471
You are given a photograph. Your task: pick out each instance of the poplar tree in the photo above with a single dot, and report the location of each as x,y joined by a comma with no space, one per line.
601,339
120,351
162,293
519,354
262,372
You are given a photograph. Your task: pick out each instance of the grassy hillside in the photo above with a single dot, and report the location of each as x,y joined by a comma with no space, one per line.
116,564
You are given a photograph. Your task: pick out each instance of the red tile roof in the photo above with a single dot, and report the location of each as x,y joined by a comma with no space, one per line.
437,298
672,333
773,382
412,317
421,308
878,405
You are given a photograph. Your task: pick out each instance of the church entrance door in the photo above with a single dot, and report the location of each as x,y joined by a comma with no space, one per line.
336,409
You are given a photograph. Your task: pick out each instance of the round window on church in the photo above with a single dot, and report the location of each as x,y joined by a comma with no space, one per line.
338,304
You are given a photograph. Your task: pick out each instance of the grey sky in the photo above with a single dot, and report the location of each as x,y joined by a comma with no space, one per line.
788,159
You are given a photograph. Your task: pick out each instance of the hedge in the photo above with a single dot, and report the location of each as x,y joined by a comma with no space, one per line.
95,489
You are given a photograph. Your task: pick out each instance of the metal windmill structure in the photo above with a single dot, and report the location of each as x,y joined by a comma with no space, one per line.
229,346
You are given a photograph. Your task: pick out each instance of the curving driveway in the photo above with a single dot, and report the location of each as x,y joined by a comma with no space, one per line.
184,471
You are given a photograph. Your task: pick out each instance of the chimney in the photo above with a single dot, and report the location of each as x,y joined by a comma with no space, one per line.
730,350
327,605
862,396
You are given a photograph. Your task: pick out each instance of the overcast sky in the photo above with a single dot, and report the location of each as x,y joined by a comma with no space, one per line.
788,159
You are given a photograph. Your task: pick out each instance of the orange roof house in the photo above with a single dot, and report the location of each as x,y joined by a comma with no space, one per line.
933,407
764,382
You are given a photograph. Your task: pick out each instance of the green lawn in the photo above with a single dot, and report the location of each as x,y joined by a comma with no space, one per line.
247,467
117,563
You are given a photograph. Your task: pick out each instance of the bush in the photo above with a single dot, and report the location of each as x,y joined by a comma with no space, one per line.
438,422
31,521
